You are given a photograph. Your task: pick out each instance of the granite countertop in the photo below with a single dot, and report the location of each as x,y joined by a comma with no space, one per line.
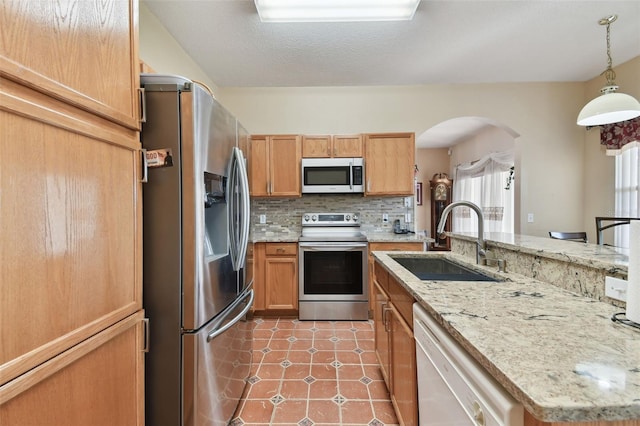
587,254
283,235
390,237
557,353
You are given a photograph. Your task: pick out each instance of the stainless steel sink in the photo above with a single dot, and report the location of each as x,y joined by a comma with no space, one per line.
440,269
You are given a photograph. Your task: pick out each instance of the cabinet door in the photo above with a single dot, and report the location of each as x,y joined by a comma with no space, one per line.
390,160
404,383
347,146
316,146
71,254
285,173
380,326
259,166
281,283
99,382
82,52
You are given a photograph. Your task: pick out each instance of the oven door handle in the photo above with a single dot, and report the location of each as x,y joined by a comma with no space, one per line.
320,246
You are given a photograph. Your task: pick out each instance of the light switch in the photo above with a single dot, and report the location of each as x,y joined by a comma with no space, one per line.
263,218
530,218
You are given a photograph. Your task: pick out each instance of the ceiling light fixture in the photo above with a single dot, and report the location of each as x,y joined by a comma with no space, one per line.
335,10
610,107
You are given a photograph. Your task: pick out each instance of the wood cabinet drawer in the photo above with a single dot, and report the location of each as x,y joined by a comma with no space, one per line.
402,300
282,249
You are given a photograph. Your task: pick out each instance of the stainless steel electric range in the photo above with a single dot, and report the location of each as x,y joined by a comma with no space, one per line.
333,268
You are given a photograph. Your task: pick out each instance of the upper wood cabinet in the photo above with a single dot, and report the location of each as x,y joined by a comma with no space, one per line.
332,146
274,166
389,162
83,52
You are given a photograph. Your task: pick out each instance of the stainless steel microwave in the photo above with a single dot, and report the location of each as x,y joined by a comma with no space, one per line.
332,175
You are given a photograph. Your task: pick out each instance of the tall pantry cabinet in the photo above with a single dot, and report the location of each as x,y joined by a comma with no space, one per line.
71,320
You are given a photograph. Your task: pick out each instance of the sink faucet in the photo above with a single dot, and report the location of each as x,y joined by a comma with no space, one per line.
481,245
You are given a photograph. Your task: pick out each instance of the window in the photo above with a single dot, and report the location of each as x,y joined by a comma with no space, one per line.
487,183
627,189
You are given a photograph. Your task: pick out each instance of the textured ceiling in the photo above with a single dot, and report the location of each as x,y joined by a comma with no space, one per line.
447,42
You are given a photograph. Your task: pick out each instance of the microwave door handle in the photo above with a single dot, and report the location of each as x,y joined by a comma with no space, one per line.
351,175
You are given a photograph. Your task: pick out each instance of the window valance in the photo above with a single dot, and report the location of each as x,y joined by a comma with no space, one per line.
617,135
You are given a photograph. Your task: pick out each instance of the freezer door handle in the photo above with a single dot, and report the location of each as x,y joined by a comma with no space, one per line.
239,200
231,323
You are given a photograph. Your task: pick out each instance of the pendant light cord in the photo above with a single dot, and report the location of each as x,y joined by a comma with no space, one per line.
609,73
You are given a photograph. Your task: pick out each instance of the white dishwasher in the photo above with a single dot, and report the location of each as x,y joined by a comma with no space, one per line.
453,389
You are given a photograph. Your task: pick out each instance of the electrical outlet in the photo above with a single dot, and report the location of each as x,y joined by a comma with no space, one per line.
530,218
385,218
615,288
263,218
407,217
407,201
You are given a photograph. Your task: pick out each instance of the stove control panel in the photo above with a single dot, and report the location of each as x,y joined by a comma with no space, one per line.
330,219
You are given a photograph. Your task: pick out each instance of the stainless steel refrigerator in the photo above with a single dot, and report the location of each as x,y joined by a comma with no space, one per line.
197,290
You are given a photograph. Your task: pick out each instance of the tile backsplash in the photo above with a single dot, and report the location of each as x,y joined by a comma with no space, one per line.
285,214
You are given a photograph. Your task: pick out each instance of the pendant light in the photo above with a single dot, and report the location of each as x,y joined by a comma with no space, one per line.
610,107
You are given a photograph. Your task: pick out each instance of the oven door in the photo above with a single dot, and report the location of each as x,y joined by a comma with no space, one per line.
333,271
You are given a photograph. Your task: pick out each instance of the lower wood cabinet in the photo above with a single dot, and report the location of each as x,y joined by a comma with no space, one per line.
404,382
394,344
276,278
99,382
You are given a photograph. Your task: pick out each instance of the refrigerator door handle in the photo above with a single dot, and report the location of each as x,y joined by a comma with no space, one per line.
245,207
231,323
238,186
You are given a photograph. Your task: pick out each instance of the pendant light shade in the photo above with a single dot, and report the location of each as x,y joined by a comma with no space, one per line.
610,107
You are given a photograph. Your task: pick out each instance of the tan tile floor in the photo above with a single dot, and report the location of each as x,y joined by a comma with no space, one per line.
314,373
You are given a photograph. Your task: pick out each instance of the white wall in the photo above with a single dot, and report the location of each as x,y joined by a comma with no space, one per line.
161,51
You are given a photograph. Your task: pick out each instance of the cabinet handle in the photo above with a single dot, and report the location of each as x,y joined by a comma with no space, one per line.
145,324
385,309
369,185
329,150
145,166
335,151
143,105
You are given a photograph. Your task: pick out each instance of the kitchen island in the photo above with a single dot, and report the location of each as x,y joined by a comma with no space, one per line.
555,351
